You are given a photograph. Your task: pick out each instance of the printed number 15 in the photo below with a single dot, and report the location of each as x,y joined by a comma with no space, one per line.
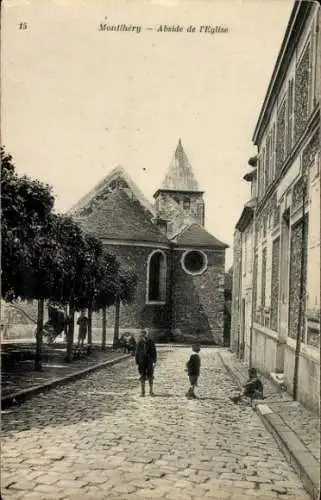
23,26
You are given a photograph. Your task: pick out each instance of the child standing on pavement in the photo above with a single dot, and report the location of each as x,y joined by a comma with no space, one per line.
193,367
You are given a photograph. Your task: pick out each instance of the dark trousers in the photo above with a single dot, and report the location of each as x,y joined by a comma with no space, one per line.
146,371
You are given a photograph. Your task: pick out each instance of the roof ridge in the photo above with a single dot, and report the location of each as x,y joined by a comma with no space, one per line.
211,239
119,170
109,219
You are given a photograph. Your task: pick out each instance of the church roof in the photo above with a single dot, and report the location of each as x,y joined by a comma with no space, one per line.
180,176
121,218
117,173
196,236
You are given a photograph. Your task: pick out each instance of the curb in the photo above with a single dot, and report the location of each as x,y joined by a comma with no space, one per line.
22,396
238,379
294,450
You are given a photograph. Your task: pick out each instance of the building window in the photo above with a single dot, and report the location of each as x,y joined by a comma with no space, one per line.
194,262
273,152
290,116
263,171
275,284
258,178
268,161
263,282
302,91
280,137
156,277
186,203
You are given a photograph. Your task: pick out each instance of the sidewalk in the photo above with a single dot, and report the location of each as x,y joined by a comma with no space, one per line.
20,382
296,429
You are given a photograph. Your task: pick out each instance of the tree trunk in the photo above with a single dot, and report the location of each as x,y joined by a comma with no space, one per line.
89,338
39,334
116,328
70,334
103,339
66,325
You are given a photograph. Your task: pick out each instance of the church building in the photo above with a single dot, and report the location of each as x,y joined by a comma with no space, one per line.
180,266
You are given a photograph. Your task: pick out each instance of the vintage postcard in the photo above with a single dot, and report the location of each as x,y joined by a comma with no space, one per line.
160,272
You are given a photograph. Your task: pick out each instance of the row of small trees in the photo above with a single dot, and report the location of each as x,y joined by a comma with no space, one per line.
46,256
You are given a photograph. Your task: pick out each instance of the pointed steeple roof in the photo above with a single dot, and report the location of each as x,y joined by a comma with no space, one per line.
180,176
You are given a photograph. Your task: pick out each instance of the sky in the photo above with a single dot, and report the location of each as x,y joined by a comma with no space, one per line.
78,101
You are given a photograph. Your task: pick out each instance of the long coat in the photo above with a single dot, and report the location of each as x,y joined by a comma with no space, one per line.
145,352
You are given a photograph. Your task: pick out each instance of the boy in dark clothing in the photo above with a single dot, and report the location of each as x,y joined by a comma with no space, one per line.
193,367
146,357
252,389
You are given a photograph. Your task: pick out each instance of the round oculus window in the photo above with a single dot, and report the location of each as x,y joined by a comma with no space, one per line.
194,262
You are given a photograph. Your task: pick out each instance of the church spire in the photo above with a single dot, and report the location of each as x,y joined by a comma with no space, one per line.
180,176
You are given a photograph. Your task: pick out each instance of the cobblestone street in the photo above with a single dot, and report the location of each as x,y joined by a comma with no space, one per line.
96,438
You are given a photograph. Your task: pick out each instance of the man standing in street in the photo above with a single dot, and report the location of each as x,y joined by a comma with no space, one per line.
146,357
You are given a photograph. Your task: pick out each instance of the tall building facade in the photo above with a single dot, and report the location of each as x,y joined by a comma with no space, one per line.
276,287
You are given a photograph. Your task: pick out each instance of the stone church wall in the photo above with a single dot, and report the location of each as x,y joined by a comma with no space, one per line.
198,308
140,315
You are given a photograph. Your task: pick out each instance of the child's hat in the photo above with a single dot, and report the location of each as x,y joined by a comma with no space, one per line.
196,348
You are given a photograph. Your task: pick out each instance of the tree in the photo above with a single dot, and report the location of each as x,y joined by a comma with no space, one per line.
70,256
106,287
26,246
125,291
117,284
26,206
89,280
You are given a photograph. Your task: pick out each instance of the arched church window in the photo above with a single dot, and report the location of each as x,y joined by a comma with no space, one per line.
194,262
156,277
186,203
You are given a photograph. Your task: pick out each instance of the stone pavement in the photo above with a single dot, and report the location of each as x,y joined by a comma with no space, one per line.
97,439
22,376
304,423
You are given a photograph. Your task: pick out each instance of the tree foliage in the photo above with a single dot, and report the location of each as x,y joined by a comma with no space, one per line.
26,209
47,255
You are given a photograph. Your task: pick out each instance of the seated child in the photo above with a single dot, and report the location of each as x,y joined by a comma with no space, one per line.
252,389
193,367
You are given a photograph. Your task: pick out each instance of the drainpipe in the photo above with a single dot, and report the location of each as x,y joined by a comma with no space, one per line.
254,276
301,297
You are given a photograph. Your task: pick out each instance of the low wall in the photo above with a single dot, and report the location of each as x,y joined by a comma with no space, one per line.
309,374
27,333
17,332
264,355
